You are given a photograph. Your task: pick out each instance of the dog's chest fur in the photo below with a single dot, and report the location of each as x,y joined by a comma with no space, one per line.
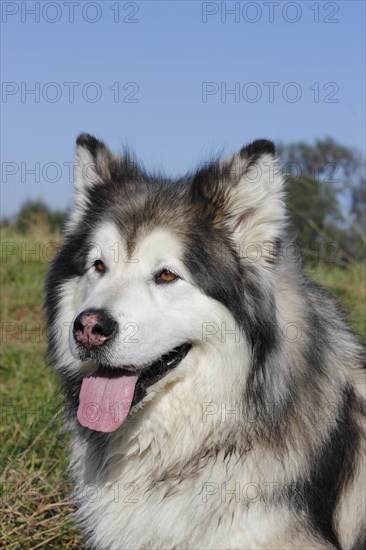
218,504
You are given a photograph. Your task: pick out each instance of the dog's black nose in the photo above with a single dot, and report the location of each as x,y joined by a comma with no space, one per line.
93,327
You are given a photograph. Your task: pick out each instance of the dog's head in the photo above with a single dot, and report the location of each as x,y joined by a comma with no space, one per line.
151,271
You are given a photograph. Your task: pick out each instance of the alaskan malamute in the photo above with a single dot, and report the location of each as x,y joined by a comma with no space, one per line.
215,395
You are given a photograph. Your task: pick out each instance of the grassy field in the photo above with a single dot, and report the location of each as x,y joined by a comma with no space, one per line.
35,510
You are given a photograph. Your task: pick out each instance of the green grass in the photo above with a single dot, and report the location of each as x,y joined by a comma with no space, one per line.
35,512
35,509
348,285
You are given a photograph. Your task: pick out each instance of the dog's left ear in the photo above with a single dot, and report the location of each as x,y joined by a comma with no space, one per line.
245,194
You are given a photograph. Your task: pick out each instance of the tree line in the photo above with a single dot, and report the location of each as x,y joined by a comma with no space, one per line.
326,195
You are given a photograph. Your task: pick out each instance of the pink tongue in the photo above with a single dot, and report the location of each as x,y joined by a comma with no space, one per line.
105,402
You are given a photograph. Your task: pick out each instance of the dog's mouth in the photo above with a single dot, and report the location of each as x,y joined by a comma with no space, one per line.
107,396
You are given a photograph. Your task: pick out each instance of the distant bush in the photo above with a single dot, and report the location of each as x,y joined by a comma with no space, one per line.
37,213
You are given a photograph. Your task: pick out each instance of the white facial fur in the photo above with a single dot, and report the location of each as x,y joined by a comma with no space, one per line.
153,319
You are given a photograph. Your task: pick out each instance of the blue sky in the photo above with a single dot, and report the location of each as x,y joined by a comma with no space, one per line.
157,76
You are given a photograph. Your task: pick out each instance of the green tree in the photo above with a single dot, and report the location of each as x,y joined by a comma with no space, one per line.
324,184
32,212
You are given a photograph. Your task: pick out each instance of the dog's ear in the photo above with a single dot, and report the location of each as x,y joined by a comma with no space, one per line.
245,194
94,165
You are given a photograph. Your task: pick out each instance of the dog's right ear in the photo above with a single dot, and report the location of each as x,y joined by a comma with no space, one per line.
93,162
93,166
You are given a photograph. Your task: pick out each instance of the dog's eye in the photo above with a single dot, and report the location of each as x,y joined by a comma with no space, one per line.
165,276
99,266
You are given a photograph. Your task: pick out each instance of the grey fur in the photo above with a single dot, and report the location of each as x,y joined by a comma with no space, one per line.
300,422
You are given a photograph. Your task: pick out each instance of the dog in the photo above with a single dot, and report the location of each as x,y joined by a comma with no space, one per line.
214,395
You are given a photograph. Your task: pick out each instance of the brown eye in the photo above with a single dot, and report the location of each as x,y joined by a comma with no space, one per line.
99,266
166,276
